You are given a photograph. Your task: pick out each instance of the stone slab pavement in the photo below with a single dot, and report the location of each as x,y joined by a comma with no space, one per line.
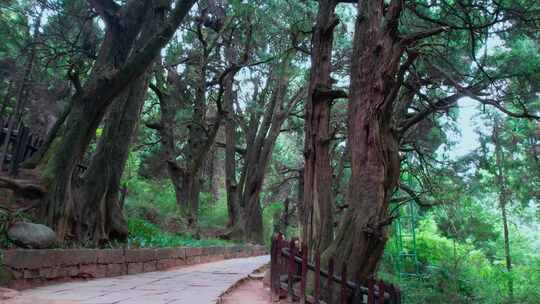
197,284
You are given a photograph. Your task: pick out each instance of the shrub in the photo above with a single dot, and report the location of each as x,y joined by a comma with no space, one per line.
143,234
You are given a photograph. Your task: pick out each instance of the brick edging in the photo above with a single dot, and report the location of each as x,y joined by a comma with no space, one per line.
22,268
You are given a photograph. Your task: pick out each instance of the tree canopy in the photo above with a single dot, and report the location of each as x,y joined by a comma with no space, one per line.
325,120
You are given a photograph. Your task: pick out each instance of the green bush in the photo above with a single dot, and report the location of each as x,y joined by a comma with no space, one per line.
143,234
213,214
457,272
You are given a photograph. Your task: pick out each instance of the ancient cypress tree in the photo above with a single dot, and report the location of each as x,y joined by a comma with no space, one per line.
100,190
318,203
188,93
390,71
118,64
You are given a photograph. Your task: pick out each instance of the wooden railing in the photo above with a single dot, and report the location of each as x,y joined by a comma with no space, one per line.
289,272
21,144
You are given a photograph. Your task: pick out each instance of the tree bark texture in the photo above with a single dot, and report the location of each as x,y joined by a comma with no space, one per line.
116,67
195,152
186,174
101,217
231,182
375,166
318,203
261,135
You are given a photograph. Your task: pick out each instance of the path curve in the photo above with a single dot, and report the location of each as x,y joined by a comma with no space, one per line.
200,284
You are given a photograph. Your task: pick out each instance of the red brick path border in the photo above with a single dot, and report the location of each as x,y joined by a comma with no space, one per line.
21,268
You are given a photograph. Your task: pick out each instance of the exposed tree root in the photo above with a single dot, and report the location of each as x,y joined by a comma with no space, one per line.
29,189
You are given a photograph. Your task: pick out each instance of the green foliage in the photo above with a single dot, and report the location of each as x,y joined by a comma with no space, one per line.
143,234
271,214
213,214
147,195
154,219
458,271
6,219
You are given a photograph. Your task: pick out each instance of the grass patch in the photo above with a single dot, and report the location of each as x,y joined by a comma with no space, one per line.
143,234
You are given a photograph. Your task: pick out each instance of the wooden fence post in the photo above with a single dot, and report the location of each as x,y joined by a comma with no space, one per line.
392,292
317,276
330,282
26,148
291,270
381,292
32,147
274,266
371,293
344,283
292,264
304,274
4,146
19,148
398,295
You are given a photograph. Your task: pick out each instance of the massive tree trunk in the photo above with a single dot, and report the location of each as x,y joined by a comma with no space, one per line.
170,100
231,184
185,175
101,216
189,195
257,162
197,139
86,114
261,135
101,211
110,76
318,203
373,146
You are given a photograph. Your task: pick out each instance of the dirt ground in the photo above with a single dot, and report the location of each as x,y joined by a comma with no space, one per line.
251,291
254,290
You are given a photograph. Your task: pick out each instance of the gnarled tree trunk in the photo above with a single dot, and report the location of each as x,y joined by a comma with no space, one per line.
185,175
231,183
261,135
101,211
375,165
112,73
318,203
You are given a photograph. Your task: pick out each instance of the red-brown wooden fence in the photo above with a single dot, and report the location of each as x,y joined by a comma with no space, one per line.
289,271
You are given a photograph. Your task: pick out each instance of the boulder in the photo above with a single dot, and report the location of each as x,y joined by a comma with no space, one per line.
29,235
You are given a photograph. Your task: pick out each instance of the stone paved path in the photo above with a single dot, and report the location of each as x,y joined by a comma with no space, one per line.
198,284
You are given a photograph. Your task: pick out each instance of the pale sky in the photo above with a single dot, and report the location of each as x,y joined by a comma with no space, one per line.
468,139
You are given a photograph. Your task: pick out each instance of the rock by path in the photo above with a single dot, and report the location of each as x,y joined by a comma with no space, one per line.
198,284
